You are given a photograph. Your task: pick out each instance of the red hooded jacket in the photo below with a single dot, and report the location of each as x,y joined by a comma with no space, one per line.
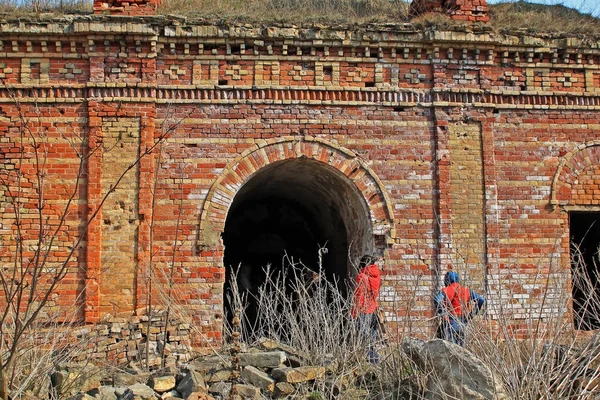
368,282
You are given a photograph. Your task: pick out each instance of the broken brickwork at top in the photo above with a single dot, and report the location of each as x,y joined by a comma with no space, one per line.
126,7
463,10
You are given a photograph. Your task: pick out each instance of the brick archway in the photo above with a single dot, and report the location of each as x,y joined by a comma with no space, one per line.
573,181
247,164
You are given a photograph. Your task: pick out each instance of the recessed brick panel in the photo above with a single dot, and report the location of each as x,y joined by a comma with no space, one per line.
174,72
122,70
9,70
297,74
357,74
467,202
119,222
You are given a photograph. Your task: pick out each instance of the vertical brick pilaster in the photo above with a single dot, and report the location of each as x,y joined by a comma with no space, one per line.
94,194
147,176
492,225
444,208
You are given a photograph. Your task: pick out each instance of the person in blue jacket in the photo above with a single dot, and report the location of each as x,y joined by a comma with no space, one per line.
456,305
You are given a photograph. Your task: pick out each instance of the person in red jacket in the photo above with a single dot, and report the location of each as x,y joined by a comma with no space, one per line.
456,304
364,304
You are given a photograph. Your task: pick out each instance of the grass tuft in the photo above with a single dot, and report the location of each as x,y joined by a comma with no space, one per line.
291,11
540,18
518,17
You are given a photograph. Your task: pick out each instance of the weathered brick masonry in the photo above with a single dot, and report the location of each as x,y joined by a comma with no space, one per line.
440,149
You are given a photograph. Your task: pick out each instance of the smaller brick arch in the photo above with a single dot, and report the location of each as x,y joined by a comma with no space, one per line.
575,181
264,153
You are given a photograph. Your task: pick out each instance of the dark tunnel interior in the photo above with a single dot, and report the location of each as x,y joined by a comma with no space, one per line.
584,230
294,208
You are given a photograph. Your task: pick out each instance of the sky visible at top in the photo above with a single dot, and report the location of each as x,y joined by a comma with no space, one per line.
585,6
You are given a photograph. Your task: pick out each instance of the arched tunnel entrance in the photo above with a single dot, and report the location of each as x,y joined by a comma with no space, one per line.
294,208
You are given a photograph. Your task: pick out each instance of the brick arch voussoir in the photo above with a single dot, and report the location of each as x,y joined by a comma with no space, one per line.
569,168
266,152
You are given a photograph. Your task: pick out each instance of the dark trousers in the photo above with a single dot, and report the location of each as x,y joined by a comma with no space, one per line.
454,330
368,331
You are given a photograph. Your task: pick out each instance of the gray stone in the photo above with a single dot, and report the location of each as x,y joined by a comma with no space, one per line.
247,392
82,396
103,393
219,376
171,395
293,361
200,396
298,375
283,389
141,392
166,371
220,388
269,344
454,372
128,379
162,384
191,382
74,378
258,378
120,391
267,359
414,350
209,364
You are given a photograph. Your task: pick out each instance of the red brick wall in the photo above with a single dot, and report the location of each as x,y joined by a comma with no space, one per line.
465,151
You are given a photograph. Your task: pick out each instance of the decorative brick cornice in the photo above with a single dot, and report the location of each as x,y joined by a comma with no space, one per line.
386,98
157,59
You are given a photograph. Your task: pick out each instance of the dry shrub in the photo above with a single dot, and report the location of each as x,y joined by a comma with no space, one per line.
313,317
537,355
540,18
504,17
18,7
294,11
543,355
39,351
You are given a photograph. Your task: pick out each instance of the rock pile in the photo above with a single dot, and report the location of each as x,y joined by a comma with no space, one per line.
274,370
271,370
120,341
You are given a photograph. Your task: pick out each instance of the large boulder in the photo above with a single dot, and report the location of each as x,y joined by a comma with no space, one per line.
453,372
